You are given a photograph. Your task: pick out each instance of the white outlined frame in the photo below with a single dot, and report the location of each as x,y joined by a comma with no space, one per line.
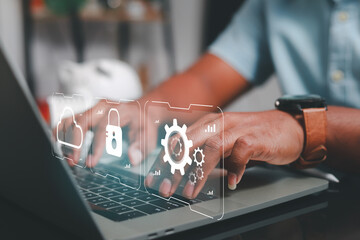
222,159
62,157
93,170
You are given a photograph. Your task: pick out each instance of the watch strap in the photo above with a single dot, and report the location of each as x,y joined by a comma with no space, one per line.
315,125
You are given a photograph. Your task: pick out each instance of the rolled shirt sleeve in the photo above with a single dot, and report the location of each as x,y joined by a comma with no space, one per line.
244,44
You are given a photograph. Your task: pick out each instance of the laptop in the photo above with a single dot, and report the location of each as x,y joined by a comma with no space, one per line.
98,205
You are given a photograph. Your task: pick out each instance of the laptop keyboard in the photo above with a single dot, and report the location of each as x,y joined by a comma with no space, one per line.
118,202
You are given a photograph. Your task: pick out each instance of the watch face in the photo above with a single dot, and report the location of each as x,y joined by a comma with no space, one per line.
311,97
296,103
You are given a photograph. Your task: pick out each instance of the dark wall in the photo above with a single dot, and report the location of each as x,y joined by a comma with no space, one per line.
217,16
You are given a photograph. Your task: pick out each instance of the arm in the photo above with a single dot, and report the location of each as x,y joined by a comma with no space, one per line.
210,81
343,138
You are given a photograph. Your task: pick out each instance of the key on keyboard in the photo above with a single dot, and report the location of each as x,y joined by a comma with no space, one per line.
133,203
97,200
108,204
120,209
120,199
110,194
166,204
149,209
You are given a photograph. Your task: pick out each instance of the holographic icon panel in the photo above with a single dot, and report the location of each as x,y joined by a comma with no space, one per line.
71,141
116,136
180,160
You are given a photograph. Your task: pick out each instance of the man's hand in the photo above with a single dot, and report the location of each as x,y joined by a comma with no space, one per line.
273,136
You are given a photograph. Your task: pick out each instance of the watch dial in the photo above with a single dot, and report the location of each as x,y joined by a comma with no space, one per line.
301,97
295,103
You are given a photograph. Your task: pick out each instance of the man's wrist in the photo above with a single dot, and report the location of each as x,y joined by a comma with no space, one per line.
310,111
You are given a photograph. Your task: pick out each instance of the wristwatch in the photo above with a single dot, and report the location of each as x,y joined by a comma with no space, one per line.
310,111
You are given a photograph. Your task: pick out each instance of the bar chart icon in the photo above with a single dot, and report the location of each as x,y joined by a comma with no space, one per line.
210,129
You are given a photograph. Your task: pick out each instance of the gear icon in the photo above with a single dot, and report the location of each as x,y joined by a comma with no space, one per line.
199,163
192,178
176,154
179,165
199,173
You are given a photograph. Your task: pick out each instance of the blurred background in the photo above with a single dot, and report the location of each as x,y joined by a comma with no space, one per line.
83,46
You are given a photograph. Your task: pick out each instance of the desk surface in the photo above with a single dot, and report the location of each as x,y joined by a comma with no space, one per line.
334,214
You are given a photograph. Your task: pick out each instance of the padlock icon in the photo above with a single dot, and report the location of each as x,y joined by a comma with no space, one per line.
114,136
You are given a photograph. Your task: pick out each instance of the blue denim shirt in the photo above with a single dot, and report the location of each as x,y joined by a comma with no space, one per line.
312,45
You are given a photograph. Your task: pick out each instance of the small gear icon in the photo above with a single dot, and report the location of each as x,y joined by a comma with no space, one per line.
199,173
179,165
176,139
199,163
192,178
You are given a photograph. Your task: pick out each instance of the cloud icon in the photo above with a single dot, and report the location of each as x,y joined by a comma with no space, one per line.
63,140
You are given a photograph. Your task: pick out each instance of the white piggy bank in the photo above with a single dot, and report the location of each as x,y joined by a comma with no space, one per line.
105,78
